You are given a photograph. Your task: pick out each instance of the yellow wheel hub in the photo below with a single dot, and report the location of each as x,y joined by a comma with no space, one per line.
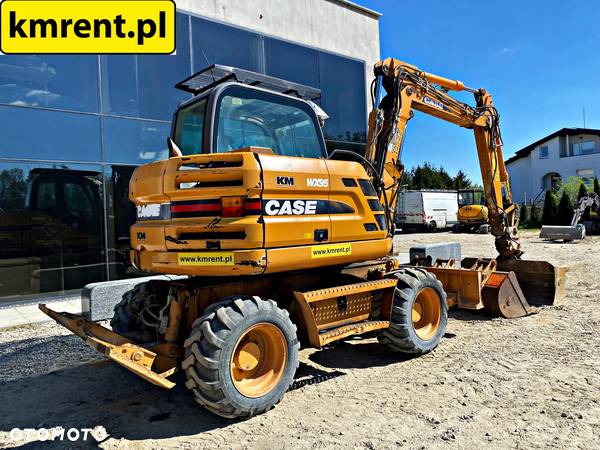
259,360
426,313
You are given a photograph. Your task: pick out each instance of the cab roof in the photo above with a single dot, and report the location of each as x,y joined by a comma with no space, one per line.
216,74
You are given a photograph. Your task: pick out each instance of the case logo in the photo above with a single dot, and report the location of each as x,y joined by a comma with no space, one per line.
148,211
431,102
290,207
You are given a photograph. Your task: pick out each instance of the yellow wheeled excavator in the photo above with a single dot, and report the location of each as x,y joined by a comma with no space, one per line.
282,244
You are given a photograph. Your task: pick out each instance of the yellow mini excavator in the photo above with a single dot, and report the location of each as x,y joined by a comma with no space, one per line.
472,213
284,244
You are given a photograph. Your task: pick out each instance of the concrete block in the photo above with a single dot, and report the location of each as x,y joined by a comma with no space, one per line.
99,299
430,252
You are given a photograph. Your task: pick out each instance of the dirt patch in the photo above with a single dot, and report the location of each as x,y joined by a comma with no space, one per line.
529,382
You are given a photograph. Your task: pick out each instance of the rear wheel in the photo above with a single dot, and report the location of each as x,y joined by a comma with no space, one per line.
241,356
135,315
432,226
419,313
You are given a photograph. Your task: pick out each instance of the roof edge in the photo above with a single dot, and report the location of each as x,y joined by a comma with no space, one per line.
358,8
525,151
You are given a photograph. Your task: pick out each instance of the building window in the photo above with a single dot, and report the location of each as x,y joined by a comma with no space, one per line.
587,175
215,43
346,124
583,148
51,224
550,181
50,81
544,152
29,133
142,85
135,141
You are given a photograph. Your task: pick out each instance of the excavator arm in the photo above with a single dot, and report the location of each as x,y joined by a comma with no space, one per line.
406,89
589,201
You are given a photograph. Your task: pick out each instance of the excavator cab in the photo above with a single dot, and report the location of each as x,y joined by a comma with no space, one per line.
472,212
234,108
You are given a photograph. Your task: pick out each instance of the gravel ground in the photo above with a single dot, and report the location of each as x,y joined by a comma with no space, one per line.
526,383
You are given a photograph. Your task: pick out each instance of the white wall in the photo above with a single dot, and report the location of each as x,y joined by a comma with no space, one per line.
526,173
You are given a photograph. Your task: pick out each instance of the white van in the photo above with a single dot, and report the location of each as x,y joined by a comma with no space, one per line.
426,210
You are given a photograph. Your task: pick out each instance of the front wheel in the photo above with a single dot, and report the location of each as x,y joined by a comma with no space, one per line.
419,313
241,356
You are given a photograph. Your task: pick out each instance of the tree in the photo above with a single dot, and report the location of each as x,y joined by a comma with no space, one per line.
582,191
596,186
565,210
523,215
13,189
534,216
550,212
571,187
460,181
428,176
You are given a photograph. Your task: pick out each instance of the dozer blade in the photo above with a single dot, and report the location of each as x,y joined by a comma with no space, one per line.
541,282
565,233
137,359
503,296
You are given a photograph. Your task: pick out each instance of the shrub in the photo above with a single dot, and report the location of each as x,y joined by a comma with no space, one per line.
524,215
572,187
565,210
550,212
582,191
534,216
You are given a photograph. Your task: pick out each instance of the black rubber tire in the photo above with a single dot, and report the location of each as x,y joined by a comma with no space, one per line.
432,226
401,336
126,318
209,349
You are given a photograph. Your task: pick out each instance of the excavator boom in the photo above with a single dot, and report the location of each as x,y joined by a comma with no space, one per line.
504,285
408,88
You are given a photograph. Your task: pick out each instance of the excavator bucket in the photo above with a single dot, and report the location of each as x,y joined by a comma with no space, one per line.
564,233
502,296
506,288
542,283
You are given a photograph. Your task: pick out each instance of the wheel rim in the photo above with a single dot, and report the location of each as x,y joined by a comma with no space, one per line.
258,360
426,313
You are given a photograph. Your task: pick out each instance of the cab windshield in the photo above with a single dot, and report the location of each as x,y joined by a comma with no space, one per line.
247,117
470,198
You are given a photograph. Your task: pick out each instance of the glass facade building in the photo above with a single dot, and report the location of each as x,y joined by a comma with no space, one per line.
73,129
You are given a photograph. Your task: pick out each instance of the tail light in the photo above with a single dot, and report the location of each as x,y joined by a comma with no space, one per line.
233,207
219,207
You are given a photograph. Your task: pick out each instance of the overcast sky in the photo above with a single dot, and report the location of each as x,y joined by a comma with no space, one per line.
539,59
